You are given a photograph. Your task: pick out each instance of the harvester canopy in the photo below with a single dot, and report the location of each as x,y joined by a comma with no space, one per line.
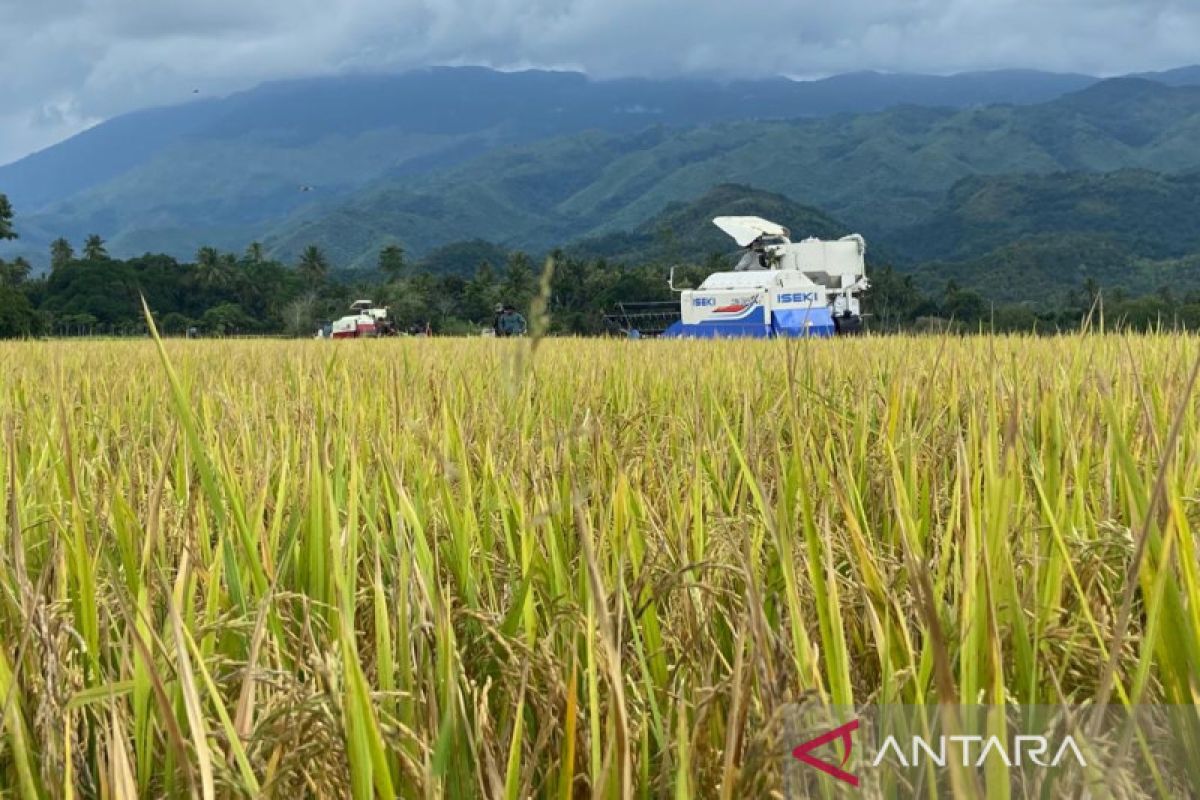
746,230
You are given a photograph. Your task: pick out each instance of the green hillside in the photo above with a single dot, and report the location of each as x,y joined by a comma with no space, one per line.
187,195
683,232
1017,201
879,173
1152,214
1036,239
1044,270
223,169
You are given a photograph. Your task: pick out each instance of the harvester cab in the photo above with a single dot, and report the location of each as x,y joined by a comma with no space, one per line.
778,287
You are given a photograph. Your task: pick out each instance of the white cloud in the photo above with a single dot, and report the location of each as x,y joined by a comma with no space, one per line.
66,63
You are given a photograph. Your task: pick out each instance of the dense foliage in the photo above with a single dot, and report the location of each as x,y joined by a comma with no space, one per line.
455,288
247,297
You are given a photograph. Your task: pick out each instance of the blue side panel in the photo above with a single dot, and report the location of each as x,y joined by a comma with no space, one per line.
750,324
717,330
791,322
803,322
673,331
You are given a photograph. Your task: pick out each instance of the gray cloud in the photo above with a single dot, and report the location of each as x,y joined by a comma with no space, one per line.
65,64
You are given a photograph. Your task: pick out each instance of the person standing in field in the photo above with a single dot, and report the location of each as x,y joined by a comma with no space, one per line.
511,323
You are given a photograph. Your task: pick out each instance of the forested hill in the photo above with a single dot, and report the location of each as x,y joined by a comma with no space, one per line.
684,233
1033,238
1045,278
534,158
428,117
1018,204
879,173
1155,214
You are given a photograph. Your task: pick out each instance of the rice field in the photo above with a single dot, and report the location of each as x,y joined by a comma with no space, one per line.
564,569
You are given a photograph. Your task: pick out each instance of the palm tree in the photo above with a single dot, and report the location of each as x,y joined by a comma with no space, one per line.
14,274
313,264
93,248
255,254
19,271
61,253
6,215
212,268
391,261
207,257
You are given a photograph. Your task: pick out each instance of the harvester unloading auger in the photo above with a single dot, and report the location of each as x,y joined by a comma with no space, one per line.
778,288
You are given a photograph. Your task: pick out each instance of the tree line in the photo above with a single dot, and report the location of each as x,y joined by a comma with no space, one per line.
87,292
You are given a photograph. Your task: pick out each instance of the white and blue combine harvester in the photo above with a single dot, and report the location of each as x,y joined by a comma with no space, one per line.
778,288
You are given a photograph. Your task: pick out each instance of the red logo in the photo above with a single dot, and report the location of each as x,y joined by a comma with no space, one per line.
731,309
804,752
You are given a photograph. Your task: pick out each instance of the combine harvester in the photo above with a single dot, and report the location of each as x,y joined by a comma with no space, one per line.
364,320
778,288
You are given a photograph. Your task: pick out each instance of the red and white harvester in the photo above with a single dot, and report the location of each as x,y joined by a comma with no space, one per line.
365,320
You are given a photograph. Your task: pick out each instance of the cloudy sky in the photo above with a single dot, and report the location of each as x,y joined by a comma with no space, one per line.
66,64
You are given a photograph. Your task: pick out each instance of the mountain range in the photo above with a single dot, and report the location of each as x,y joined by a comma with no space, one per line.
885,174
940,171
1013,239
428,118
